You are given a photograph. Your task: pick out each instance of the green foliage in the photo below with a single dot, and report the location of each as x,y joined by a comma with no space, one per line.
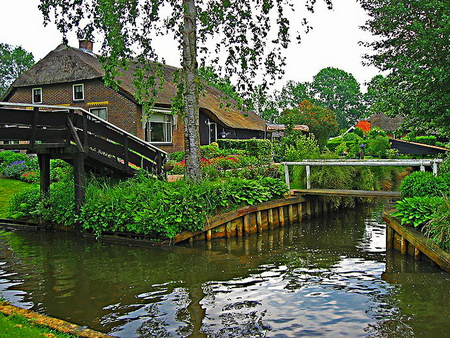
252,147
422,184
14,60
417,210
438,228
339,91
358,131
8,188
414,52
375,132
21,327
161,209
426,139
296,147
444,167
321,121
8,156
23,205
377,146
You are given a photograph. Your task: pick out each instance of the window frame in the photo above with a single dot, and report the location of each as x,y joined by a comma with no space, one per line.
98,108
166,124
73,91
32,95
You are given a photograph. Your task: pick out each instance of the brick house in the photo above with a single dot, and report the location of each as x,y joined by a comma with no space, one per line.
74,76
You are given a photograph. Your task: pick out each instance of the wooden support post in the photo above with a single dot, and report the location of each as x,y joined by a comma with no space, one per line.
324,207
316,207
281,216
270,217
259,225
300,212
246,224
308,208
44,167
389,237
240,228
417,254
228,229
208,235
291,214
79,178
404,246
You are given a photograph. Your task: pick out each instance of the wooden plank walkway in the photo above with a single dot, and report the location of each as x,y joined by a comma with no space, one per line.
352,193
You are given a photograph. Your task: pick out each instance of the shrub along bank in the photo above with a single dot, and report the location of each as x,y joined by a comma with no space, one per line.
426,205
145,205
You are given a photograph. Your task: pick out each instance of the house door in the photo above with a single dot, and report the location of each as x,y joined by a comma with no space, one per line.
212,132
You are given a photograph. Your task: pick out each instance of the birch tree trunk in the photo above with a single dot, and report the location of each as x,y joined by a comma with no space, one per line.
191,81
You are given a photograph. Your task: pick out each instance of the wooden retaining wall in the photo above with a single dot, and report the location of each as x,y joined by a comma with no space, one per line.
409,241
256,219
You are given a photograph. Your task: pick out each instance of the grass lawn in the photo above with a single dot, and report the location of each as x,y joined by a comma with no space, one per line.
7,189
20,327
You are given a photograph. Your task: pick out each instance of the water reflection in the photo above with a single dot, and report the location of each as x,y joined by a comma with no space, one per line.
324,277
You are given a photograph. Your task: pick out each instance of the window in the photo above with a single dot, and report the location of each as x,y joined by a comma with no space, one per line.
36,95
78,92
100,112
159,128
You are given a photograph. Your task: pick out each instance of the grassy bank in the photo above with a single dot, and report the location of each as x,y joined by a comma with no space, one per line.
8,188
20,327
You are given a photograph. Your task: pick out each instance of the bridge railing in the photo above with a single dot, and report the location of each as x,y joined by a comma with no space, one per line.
37,127
422,163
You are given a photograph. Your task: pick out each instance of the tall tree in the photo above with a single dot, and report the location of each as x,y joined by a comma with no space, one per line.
14,60
412,46
240,38
339,91
292,94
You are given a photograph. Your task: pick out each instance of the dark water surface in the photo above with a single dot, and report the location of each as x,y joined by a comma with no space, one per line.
328,277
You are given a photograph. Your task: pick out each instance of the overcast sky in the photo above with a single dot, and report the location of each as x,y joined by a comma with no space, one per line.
332,43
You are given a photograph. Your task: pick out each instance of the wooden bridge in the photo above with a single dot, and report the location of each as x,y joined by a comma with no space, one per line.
78,137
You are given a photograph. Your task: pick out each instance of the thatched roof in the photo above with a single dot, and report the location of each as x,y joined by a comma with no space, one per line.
69,64
385,122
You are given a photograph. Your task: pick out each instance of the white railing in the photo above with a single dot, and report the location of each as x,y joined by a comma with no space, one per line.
422,163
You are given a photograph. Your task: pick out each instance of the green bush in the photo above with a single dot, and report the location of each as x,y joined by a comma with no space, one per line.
8,156
24,204
253,147
416,211
429,139
162,209
421,183
438,228
377,146
375,132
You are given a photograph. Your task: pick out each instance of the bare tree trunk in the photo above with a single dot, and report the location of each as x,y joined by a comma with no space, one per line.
191,81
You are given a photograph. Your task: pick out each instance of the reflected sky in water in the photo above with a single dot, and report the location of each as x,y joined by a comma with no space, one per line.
325,277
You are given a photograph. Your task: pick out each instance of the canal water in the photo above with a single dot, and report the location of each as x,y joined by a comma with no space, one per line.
327,277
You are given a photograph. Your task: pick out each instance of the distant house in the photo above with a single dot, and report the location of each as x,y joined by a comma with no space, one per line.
74,76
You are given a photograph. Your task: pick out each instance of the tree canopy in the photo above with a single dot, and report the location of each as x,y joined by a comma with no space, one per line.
321,121
339,91
14,60
412,46
239,38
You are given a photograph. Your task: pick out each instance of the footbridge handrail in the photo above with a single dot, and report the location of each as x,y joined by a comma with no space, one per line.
422,163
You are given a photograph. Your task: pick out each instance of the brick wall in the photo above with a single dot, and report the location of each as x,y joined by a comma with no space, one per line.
122,112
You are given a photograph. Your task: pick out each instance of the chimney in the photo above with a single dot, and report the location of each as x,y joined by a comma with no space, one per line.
86,45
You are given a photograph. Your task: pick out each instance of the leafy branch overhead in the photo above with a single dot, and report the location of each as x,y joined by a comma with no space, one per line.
14,60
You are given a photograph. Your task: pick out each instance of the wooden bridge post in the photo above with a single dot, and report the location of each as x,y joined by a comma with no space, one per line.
79,179
44,168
